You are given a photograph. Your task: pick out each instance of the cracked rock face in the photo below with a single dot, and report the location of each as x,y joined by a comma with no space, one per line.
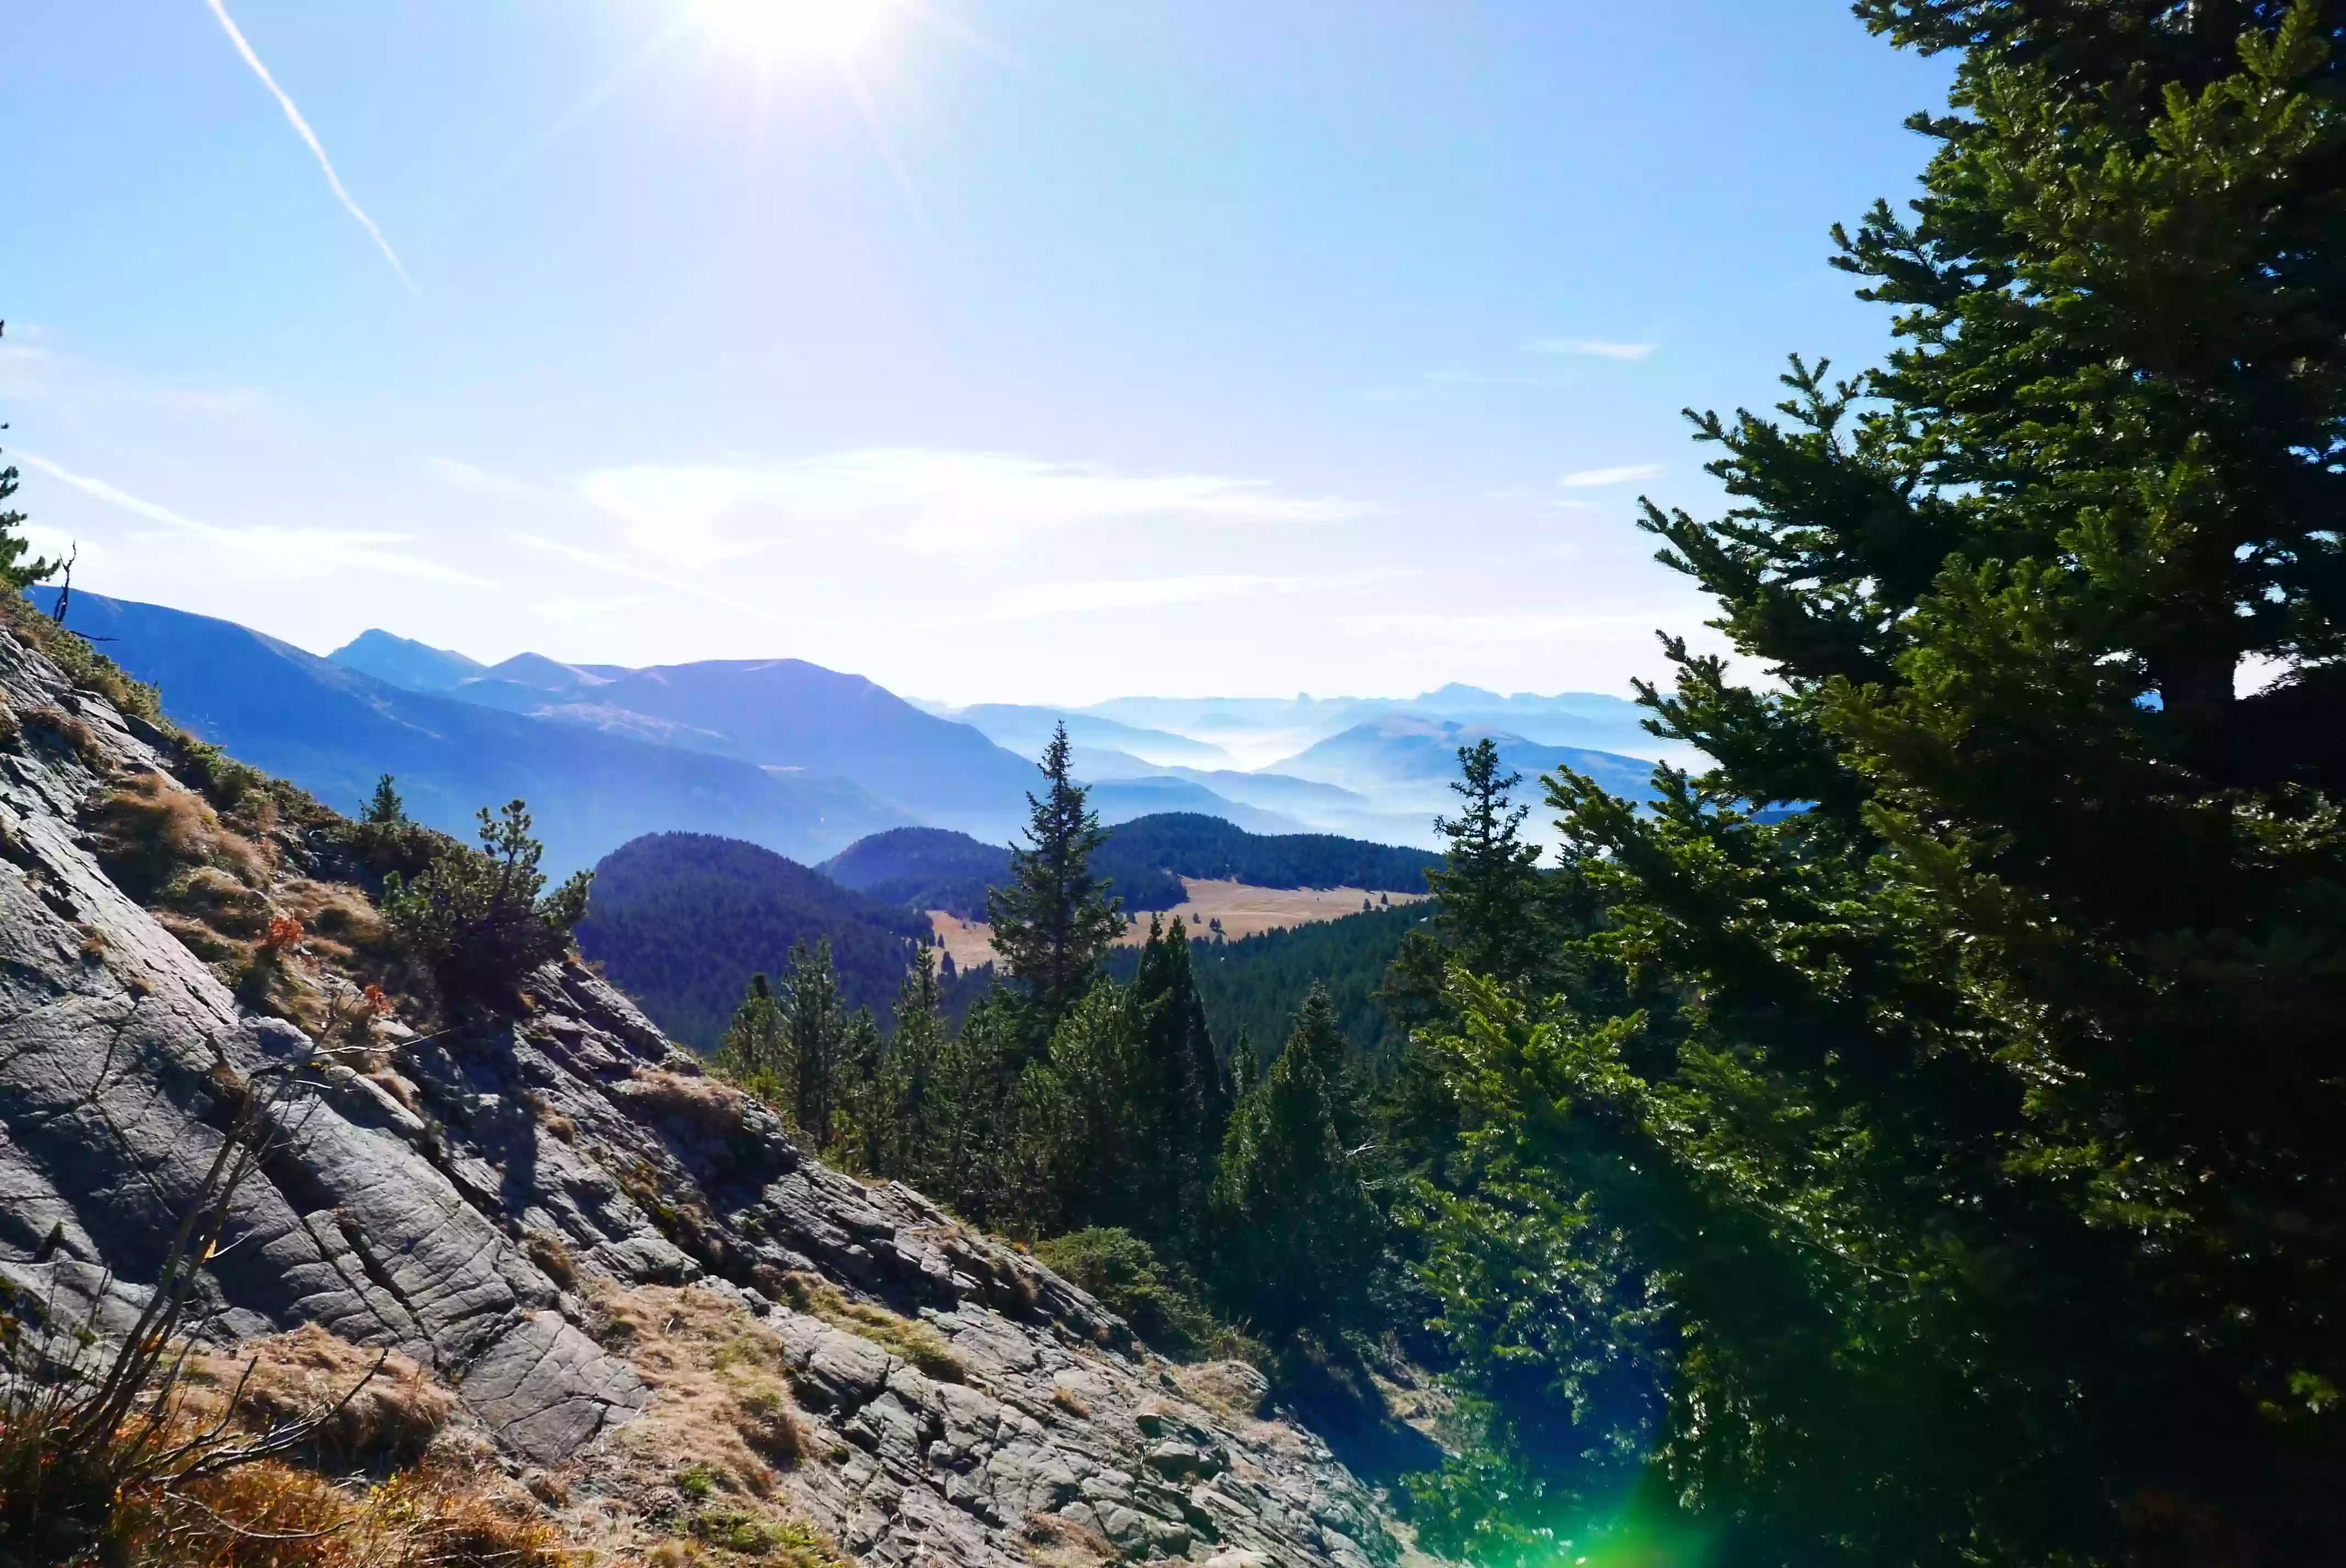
463,1208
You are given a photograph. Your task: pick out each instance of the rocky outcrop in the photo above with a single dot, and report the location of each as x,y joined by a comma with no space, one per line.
466,1196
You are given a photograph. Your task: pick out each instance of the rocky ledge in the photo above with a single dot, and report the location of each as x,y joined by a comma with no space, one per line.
498,1200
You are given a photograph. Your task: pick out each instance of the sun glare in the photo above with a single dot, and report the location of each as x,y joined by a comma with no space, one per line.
788,31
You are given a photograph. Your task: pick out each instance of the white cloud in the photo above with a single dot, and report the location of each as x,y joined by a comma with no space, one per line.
934,502
1594,347
317,149
272,552
1068,598
1591,478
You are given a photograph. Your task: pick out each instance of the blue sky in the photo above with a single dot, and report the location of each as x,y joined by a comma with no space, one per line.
1027,350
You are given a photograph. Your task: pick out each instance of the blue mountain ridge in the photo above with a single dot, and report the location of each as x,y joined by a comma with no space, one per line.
334,731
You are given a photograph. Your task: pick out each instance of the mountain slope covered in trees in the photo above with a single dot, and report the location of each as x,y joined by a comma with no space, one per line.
681,920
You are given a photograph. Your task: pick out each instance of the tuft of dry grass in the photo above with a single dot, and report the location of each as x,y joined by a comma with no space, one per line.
703,1104
721,1407
545,1249
1052,1542
393,1419
64,730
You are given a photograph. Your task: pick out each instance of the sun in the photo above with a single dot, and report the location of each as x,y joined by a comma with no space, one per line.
790,32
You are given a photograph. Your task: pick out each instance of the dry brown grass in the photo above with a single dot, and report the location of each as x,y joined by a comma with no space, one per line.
704,1105
1231,1389
1243,908
150,831
65,731
397,1412
277,1515
721,1405
1056,1543
546,1250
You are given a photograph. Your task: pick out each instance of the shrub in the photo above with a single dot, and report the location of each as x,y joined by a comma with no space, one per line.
480,919
1124,1275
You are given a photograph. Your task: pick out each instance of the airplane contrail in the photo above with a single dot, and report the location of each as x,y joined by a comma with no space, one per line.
350,204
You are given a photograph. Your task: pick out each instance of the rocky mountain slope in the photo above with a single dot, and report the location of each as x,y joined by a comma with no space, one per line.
667,1330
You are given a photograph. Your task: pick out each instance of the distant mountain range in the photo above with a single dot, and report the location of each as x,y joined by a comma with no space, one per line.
1411,760
776,713
333,730
806,760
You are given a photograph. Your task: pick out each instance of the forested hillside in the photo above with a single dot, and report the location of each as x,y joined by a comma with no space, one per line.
1188,845
923,868
681,920
1256,984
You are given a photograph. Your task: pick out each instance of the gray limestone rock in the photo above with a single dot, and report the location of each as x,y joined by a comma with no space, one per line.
455,1204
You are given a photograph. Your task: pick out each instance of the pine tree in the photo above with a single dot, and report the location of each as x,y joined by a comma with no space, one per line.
483,919
1493,913
967,1155
1488,912
901,1113
1054,922
17,573
755,1051
1296,1234
384,809
1180,1107
1245,1069
1077,1160
1972,1138
815,1030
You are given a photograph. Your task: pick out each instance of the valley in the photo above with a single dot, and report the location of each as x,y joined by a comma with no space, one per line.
1208,907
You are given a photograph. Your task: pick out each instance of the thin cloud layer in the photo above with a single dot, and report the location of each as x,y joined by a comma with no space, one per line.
931,502
1595,478
1595,348
270,551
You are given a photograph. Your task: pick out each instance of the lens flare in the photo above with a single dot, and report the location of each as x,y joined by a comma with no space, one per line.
793,31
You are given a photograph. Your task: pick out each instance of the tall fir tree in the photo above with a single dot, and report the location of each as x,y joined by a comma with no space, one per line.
898,1124
1492,914
1078,1163
1181,1106
968,1153
1054,922
1297,1234
815,1028
1966,1182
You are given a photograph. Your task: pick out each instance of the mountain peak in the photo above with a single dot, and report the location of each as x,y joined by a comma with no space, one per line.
405,663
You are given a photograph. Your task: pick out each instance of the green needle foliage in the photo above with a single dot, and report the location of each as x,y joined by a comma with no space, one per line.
1054,923
1960,1181
17,573
1297,1235
480,919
